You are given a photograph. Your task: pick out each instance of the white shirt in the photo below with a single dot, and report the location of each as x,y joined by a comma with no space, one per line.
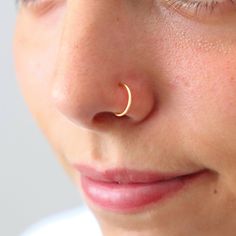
76,222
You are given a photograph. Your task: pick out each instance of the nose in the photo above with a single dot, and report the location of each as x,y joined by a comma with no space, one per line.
95,54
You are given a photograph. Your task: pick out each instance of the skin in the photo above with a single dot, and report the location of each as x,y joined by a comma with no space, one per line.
182,73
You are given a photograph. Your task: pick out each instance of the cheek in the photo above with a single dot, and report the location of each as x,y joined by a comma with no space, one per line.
201,75
36,45
207,95
35,59
34,70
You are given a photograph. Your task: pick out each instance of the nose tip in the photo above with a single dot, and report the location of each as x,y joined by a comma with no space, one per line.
86,107
87,103
81,105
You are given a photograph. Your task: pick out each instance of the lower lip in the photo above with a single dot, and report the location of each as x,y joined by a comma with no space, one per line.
131,197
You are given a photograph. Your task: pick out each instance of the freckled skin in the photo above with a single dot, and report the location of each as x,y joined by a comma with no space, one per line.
181,72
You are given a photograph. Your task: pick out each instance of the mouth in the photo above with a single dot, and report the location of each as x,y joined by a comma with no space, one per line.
126,190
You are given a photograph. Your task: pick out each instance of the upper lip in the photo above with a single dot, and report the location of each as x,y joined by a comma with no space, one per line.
125,176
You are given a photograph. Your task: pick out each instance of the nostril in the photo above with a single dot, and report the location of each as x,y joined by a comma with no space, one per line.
107,118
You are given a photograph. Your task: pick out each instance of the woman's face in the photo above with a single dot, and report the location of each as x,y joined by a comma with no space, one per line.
180,67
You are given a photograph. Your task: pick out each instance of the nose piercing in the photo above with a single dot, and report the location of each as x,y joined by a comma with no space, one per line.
128,104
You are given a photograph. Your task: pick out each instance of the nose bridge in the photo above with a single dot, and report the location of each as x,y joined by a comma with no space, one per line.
92,36
88,37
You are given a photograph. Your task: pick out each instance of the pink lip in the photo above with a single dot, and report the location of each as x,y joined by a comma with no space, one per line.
122,175
125,190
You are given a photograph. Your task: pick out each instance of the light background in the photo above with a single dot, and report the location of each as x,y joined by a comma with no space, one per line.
32,184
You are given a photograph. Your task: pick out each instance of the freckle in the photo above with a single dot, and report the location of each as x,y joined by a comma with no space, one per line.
206,45
219,46
215,191
186,83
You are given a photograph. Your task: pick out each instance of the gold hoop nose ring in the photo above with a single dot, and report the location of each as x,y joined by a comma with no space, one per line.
129,102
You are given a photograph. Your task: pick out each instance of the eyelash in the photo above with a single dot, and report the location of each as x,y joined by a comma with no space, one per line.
198,7
202,8
29,3
38,6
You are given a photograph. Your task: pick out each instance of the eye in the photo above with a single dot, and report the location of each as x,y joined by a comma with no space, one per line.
38,6
202,8
199,9
28,3
36,3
